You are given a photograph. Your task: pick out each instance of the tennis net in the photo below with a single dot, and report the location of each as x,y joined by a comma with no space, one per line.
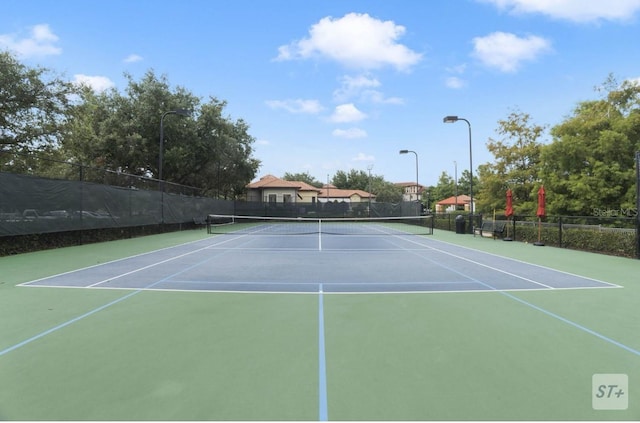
256,225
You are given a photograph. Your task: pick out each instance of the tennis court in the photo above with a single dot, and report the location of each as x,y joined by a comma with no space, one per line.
316,320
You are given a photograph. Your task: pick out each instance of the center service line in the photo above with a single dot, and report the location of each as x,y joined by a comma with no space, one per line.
322,364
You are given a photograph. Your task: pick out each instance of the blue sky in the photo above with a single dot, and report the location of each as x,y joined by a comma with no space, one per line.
328,85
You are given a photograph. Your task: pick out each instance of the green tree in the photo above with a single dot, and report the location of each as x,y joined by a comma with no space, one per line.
33,109
355,179
590,163
121,132
445,188
464,184
385,192
516,166
303,177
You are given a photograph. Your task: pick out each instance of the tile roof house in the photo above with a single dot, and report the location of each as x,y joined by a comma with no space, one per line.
273,190
409,191
453,203
329,192
270,189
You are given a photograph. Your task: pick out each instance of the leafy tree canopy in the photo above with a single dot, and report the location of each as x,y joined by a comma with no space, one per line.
385,192
516,166
303,177
590,163
44,116
33,106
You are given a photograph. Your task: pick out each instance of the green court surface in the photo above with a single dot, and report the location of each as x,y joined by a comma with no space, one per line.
127,354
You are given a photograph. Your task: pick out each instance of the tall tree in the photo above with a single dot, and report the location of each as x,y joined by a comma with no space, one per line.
302,177
33,109
121,132
464,184
355,179
445,188
590,163
516,165
385,192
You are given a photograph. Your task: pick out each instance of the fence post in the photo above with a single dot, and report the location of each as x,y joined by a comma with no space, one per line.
560,232
638,204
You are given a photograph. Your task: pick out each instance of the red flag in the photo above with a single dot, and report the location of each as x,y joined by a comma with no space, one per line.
541,202
509,211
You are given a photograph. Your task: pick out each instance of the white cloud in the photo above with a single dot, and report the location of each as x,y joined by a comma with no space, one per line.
351,86
263,142
298,106
573,10
458,69
40,42
132,58
361,157
362,87
350,133
506,52
455,82
377,97
96,83
356,41
347,113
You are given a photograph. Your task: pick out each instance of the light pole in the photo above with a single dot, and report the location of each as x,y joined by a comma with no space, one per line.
455,181
417,184
181,112
369,169
452,119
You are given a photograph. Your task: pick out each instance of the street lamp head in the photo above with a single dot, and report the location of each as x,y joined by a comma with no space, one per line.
450,119
182,112
404,151
179,112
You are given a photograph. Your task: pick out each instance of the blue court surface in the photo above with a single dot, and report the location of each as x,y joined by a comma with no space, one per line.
241,262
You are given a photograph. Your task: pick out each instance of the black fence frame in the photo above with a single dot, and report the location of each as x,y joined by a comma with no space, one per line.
554,228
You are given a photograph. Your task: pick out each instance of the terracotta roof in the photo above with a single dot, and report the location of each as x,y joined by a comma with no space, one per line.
270,181
330,191
451,201
333,192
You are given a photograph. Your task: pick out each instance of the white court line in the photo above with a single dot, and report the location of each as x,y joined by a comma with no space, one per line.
399,249
611,285
28,283
108,262
159,263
